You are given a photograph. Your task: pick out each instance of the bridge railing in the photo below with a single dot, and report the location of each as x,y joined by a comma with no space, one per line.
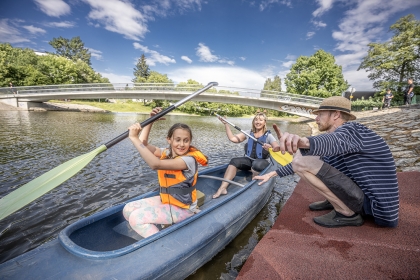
161,87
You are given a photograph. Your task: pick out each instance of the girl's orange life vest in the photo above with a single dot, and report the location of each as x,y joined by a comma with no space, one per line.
175,188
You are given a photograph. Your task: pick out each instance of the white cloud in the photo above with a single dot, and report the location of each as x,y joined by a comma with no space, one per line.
120,17
225,76
53,8
186,58
360,26
34,30
96,54
358,79
288,64
319,24
324,5
291,57
204,53
309,35
9,34
265,3
115,78
153,56
62,24
242,58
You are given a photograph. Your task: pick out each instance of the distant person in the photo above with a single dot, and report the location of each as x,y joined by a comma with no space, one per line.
177,169
11,87
409,92
256,156
350,166
387,99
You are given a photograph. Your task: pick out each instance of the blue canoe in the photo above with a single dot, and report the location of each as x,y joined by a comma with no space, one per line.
103,246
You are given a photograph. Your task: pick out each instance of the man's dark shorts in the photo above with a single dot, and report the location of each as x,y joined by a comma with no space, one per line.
343,187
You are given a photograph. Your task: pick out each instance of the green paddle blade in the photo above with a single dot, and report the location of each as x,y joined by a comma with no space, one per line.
280,158
44,183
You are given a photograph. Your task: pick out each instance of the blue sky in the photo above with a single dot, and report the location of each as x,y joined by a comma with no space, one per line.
237,43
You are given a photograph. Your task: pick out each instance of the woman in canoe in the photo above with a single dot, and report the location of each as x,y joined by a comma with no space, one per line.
256,156
177,168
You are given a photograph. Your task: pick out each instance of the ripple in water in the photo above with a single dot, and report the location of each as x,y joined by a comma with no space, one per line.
33,143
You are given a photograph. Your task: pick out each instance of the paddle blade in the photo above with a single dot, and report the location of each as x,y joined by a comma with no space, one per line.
280,158
44,183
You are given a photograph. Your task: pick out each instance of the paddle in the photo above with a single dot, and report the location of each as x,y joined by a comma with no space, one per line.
277,156
53,178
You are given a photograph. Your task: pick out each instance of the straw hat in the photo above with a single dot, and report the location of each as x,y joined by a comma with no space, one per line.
335,103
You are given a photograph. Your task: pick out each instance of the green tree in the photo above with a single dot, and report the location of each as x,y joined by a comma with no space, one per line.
141,71
23,67
317,75
156,77
390,64
274,85
73,49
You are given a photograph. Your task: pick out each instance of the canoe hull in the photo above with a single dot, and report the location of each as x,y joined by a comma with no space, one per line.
174,255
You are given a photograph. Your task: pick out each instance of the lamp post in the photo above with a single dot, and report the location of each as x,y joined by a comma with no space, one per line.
352,90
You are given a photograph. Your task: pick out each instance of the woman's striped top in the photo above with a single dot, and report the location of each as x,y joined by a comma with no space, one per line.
365,158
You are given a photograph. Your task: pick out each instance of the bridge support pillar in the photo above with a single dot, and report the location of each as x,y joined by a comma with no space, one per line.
24,105
31,105
12,101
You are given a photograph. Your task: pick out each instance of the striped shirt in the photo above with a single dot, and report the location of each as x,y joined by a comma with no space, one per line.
365,158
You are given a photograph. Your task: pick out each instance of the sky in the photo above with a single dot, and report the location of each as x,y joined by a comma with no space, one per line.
237,43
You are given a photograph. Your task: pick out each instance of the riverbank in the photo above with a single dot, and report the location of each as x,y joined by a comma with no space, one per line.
296,248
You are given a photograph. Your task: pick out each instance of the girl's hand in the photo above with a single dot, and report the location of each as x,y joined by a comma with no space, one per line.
134,130
156,111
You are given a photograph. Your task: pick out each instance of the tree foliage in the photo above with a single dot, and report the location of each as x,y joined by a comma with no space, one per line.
141,71
23,67
317,75
391,63
73,49
156,77
273,85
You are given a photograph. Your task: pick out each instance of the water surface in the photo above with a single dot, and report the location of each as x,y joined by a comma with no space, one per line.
32,143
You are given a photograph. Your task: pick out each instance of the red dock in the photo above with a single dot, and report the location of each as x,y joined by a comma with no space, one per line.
297,248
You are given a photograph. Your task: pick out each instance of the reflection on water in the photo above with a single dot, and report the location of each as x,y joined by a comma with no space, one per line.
32,143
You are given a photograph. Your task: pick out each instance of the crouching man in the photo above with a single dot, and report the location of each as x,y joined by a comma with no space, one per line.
350,165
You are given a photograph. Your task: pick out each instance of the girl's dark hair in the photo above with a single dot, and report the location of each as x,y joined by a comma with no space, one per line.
181,126
172,130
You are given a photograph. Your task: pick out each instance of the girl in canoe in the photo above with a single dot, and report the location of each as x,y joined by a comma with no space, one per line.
256,156
177,168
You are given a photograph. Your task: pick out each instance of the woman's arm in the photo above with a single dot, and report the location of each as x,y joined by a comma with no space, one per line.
238,138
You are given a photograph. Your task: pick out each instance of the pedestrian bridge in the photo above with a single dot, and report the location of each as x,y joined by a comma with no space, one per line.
29,97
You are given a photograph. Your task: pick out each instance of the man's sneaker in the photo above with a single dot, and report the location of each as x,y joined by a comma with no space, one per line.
333,220
321,205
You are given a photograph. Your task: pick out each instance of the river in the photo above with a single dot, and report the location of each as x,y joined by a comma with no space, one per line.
32,143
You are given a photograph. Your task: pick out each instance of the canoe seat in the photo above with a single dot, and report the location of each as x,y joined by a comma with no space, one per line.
200,198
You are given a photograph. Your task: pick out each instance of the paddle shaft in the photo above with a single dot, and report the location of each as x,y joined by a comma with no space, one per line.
247,134
56,176
280,158
124,135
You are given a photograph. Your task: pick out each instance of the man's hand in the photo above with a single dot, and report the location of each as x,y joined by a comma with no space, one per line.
290,142
264,177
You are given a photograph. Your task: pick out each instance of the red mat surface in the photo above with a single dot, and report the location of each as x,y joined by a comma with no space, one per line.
297,248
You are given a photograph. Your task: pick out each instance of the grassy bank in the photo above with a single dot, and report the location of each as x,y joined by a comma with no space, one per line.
123,107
